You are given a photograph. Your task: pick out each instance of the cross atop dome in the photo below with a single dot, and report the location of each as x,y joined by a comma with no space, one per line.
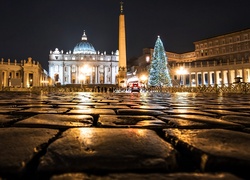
84,36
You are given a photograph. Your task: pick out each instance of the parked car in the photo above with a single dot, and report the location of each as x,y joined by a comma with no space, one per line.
135,87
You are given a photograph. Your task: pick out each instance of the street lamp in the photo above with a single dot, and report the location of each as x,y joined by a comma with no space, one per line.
181,71
85,71
144,79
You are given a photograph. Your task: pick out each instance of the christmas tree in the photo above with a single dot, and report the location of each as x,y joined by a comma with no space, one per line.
158,71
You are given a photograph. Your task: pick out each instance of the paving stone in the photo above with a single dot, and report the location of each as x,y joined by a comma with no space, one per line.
147,176
151,107
57,121
108,101
44,110
129,104
185,107
216,149
112,107
92,111
156,103
139,112
184,123
83,101
19,145
214,122
93,104
188,111
130,121
246,130
25,101
110,149
73,106
225,112
7,103
63,103
7,119
35,106
232,107
9,109
244,120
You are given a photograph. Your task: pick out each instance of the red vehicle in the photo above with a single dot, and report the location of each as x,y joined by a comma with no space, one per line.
135,87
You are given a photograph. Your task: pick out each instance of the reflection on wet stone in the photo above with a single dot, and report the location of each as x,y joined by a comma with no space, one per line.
221,149
57,121
19,145
130,121
109,149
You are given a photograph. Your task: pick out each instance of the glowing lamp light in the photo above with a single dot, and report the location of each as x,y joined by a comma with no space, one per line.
182,71
144,78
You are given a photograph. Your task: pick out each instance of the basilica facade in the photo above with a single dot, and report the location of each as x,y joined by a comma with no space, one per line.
84,65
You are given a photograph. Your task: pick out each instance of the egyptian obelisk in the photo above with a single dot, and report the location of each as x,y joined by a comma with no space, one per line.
122,77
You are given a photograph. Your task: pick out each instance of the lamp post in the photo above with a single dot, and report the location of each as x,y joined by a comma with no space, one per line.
143,80
181,71
85,71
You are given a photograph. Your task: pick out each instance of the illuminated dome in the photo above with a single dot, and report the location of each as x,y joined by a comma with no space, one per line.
84,47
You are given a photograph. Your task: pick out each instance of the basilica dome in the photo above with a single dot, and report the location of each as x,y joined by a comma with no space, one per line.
84,47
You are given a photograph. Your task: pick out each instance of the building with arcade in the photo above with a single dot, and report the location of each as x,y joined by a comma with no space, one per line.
220,60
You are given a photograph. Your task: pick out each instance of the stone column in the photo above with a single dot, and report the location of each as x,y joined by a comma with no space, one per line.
243,75
1,80
96,75
202,78
208,78
7,78
235,75
25,80
228,77
61,72
91,76
196,79
190,79
104,74
222,77
183,79
215,78
69,75
78,75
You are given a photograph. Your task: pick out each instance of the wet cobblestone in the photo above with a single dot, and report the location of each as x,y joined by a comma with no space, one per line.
124,136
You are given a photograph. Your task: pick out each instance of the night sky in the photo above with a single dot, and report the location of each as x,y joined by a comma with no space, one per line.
31,28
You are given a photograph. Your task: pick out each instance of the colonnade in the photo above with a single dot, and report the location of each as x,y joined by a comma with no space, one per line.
212,77
84,74
20,79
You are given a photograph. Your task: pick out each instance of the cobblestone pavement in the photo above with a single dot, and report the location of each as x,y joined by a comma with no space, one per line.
124,136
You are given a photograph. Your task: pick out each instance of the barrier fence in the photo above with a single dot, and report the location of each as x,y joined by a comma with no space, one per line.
231,88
